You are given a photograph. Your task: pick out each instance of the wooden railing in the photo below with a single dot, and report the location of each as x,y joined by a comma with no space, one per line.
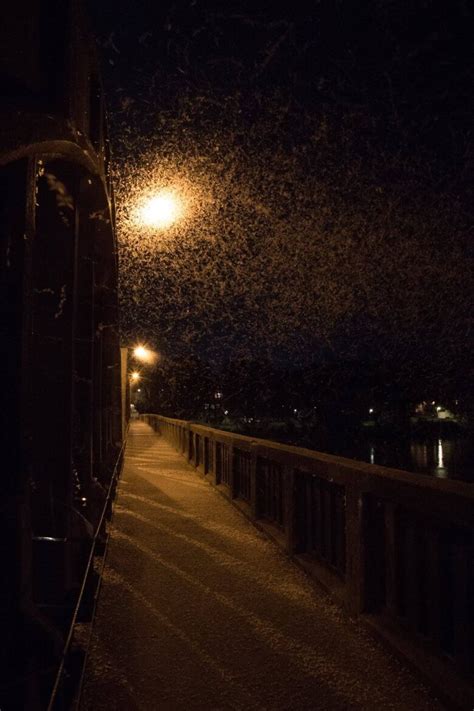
393,546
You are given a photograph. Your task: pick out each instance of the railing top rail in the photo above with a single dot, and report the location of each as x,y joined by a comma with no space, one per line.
372,477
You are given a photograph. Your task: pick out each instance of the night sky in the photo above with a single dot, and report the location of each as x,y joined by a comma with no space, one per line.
324,150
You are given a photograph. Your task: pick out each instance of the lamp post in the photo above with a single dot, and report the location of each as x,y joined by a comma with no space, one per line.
134,379
154,213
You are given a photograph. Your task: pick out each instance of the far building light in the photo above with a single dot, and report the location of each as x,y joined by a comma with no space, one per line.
371,410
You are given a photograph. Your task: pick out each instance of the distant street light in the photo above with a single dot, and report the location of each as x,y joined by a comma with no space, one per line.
130,391
145,355
140,352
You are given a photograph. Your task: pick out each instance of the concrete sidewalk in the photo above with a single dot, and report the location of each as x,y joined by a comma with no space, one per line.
198,610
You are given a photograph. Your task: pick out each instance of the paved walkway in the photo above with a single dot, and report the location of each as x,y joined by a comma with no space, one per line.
198,610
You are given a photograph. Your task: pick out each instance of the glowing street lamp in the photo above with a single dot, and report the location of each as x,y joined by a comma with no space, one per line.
135,377
145,355
140,352
161,210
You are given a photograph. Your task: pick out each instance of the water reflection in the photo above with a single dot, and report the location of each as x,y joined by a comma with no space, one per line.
432,457
419,454
440,470
443,458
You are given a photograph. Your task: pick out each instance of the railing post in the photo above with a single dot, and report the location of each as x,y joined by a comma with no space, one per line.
189,445
215,474
253,481
197,450
206,451
232,472
355,550
390,553
433,541
289,504
462,575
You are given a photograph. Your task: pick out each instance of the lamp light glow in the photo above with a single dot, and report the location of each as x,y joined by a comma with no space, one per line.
161,210
145,355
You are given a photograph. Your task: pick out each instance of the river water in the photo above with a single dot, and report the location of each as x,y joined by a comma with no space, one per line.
441,454
442,457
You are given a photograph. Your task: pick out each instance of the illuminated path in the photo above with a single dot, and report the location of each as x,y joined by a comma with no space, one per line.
198,610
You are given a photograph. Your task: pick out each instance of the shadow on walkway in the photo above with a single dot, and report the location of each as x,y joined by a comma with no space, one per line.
198,610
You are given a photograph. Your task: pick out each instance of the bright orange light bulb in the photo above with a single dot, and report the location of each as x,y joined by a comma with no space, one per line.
161,210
